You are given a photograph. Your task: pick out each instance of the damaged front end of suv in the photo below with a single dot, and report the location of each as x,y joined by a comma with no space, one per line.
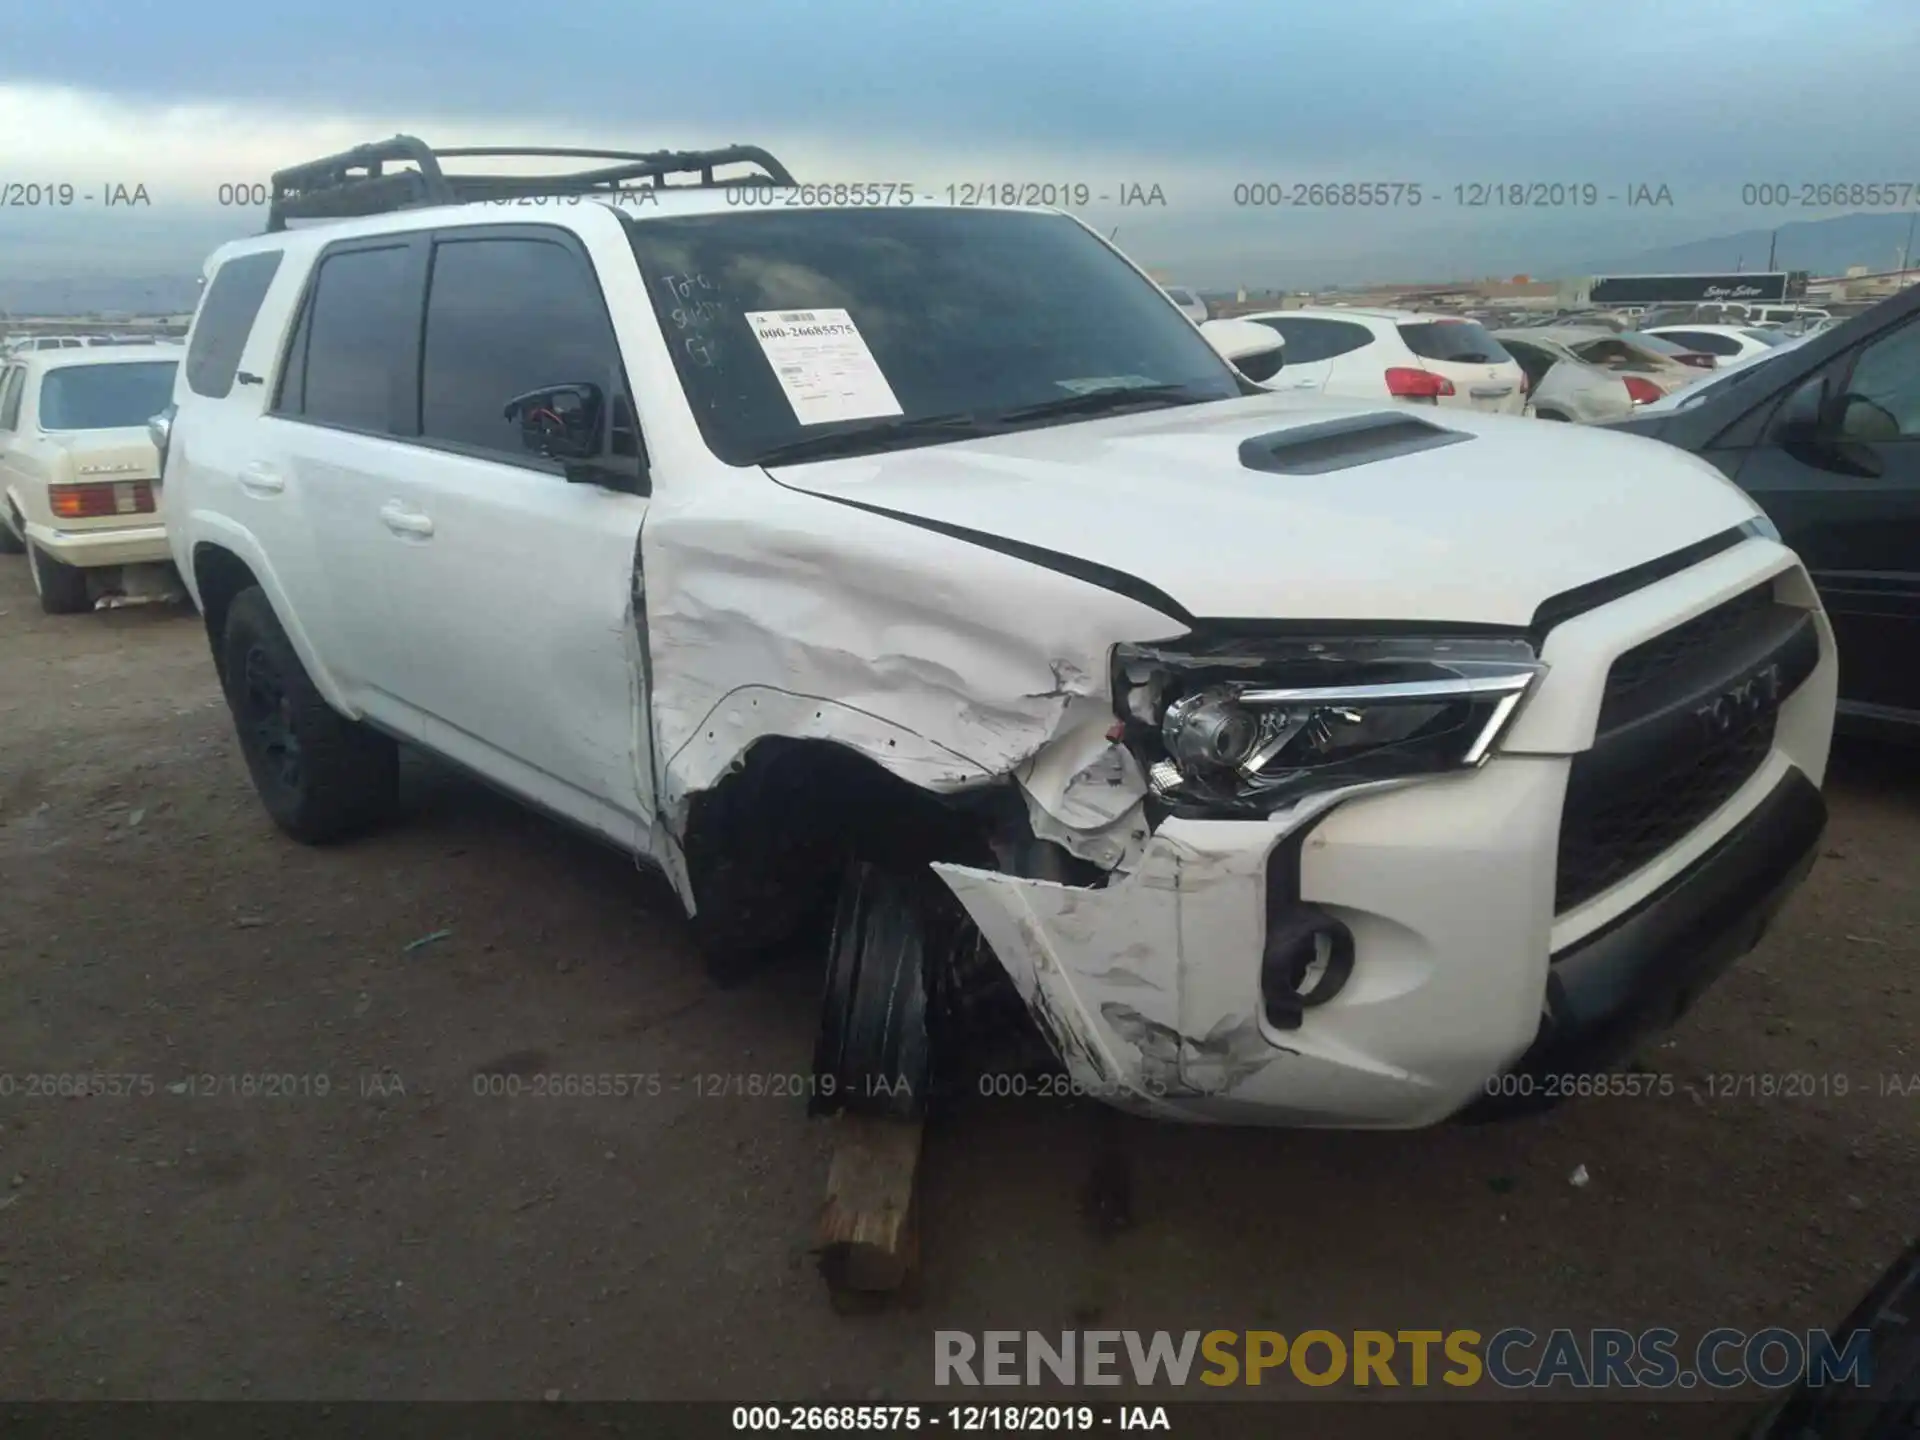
1229,745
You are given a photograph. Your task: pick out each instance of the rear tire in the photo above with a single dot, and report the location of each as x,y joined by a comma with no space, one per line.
10,543
321,776
62,588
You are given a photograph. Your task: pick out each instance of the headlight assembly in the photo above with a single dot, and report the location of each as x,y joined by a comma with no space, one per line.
1246,726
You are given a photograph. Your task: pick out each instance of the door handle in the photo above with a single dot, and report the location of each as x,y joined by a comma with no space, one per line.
402,521
258,479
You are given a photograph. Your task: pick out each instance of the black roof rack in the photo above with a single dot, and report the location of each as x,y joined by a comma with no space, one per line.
358,182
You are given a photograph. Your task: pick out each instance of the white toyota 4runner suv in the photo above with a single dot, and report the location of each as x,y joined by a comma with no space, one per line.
919,578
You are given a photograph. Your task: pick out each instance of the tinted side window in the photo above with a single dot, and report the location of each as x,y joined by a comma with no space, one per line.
11,389
225,320
506,315
356,335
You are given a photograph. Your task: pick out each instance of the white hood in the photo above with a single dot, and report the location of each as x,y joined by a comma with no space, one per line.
1477,532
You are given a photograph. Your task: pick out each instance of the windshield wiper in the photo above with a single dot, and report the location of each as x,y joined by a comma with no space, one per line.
886,435
1101,402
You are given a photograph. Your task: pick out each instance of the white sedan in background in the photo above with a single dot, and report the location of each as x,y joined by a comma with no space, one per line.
1563,384
1365,354
79,474
1729,372
1724,342
1191,305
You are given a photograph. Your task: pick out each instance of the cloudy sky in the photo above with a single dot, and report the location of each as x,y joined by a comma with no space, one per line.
1700,96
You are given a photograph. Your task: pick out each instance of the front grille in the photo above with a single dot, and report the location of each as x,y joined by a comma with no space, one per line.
1652,661
1606,837
1656,771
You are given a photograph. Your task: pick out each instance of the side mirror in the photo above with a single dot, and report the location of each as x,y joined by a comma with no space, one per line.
160,431
1238,340
561,422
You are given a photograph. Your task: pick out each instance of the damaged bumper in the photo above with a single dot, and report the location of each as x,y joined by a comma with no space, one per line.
1151,989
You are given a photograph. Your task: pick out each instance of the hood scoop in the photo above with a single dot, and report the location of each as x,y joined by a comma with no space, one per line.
1331,445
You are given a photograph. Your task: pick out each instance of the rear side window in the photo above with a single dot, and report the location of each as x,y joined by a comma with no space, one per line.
507,315
1309,340
1459,342
342,367
225,320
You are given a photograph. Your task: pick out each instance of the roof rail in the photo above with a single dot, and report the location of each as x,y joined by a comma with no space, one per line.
357,182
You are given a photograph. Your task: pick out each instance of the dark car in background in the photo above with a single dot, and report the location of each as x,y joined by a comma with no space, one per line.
1826,438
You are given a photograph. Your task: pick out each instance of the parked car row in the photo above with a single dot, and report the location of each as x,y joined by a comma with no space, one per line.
22,344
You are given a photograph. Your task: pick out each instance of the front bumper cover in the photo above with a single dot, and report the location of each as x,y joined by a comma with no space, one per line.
1642,971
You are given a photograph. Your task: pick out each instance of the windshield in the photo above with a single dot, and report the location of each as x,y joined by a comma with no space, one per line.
105,397
900,327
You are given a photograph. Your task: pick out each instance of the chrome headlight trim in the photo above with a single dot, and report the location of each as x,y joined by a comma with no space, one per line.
1438,707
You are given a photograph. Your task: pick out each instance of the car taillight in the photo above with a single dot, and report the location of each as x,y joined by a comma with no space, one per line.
101,498
1404,383
1641,390
1526,385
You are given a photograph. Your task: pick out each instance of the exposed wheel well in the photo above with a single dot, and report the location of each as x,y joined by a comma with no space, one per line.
219,575
766,845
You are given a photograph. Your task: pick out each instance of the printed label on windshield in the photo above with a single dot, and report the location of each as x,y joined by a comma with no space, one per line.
823,365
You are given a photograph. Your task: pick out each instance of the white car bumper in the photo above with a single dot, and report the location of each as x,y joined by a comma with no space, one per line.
88,549
1150,988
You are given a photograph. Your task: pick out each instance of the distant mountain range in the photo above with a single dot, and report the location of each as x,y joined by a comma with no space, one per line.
1824,247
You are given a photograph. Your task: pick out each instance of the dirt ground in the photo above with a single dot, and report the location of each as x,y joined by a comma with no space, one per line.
402,1236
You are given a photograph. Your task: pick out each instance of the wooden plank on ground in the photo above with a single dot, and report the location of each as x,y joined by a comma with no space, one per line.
869,1231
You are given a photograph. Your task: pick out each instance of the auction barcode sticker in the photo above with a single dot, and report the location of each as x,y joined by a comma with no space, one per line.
823,364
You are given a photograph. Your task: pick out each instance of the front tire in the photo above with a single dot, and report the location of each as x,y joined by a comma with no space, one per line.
895,936
321,776
62,588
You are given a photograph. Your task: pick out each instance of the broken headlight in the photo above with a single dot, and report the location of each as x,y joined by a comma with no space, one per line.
1248,725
